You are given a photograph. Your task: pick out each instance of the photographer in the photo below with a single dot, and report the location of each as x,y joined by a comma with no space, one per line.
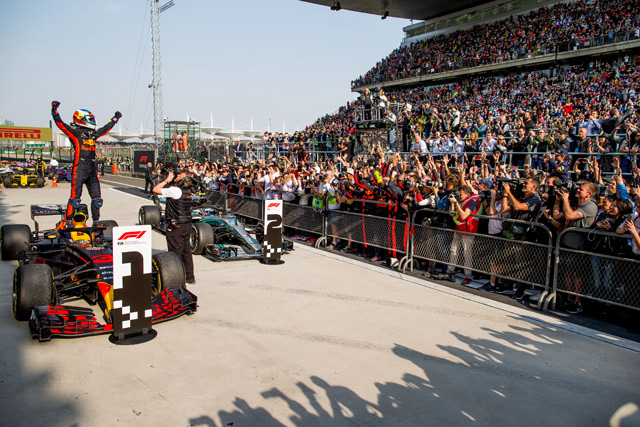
525,207
462,211
178,213
582,216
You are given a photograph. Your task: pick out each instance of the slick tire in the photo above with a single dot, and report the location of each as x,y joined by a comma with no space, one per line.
167,271
15,241
32,287
149,215
6,181
201,237
259,232
40,181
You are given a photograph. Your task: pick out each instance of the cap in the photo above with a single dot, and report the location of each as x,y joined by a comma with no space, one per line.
350,171
561,152
487,182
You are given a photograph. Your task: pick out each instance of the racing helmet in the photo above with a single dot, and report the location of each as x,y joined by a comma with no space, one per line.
79,220
84,118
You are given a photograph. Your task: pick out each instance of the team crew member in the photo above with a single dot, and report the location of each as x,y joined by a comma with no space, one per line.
83,135
178,214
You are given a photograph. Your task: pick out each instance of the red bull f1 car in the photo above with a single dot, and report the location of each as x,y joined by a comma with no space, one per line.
75,262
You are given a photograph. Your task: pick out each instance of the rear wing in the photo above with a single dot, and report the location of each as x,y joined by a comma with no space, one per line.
49,210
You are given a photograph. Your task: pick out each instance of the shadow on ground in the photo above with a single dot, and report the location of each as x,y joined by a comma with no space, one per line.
474,384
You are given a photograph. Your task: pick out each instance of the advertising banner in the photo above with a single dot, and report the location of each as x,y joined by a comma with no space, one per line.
141,158
21,133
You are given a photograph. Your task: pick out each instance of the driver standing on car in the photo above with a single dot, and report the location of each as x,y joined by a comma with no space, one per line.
178,213
83,135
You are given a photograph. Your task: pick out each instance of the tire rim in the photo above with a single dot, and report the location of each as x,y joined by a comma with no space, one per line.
194,238
156,280
15,292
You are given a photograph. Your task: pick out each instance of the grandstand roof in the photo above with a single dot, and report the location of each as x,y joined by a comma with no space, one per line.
407,9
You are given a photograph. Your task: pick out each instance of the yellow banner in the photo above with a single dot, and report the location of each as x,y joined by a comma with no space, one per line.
21,133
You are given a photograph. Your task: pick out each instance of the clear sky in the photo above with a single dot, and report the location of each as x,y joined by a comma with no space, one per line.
267,60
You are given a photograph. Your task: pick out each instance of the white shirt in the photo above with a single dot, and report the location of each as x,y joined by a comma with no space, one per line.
172,192
421,146
288,191
53,163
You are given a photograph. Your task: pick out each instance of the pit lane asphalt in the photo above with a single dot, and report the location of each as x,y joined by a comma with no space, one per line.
322,339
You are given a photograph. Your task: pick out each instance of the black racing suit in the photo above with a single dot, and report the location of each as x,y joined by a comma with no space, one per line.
178,212
85,167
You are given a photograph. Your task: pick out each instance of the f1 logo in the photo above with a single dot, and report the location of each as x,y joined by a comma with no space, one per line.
143,159
132,235
273,205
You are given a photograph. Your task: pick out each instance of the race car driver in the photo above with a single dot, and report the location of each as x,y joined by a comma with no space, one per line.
83,135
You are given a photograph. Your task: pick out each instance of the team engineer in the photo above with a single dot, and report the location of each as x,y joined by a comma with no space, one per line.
178,213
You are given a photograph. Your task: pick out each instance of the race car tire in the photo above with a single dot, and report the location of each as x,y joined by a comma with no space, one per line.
201,237
40,181
215,253
7,181
50,174
15,241
259,232
167,272
149,215
32,287
109,224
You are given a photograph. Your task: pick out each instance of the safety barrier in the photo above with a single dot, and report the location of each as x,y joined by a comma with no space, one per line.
303,218
609,277
532,257
379,231
513,259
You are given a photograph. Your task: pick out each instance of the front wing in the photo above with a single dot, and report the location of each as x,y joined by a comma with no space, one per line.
68,321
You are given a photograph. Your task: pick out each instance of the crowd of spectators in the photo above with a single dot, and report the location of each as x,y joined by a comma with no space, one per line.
556,147
569,25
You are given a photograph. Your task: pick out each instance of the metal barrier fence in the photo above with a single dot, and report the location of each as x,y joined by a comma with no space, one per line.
528,259
607,277
388,233
512,259
245,201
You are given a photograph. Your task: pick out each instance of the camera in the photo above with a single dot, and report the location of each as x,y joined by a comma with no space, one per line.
434,184
171,167
455,193
516,185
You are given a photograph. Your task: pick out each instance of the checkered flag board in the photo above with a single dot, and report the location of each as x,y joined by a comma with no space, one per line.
272,245
132,308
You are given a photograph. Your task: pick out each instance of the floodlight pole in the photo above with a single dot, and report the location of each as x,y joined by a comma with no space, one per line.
158,102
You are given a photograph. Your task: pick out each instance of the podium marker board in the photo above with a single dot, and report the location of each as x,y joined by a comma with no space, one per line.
132,308
272,244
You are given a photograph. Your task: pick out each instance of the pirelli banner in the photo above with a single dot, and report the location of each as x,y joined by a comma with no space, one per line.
21,133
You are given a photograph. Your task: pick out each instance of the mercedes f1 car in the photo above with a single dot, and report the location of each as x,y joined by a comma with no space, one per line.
74,262
214,233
